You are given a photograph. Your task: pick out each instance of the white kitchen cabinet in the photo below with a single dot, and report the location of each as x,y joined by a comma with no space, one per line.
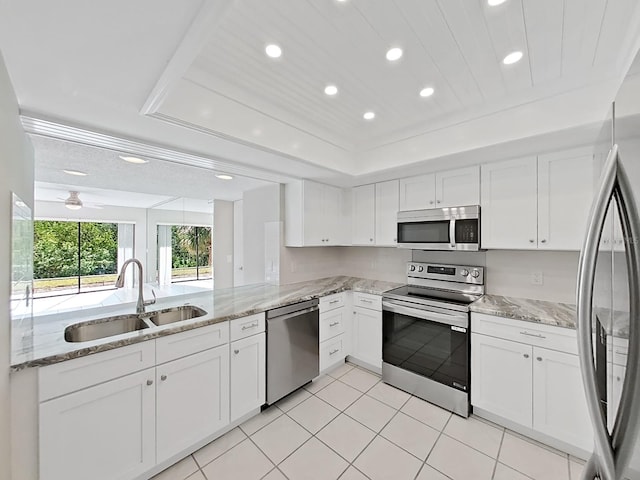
565,192
509,204
386,212
313,214
248,375
559,404
450,188
192,399
105,432
332,352
501,378
363,215
366,330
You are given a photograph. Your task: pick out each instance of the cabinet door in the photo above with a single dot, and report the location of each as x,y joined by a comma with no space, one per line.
331,216
559,404
106,432
192,400
363,217
313,215
509,204
248,375
418,192
501,378
332,323
387,198
565,193
366,335
458,187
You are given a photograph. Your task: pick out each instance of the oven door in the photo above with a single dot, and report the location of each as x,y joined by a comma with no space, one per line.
432,343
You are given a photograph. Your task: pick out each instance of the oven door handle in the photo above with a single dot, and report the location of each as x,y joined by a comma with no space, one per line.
452,234
454,320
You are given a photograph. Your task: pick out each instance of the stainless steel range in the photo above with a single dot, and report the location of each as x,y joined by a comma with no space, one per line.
425,333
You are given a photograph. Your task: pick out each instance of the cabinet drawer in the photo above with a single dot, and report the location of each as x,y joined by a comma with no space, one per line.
332,352
530,333
247,326
332,323
366,300
192,341
70,376
331,302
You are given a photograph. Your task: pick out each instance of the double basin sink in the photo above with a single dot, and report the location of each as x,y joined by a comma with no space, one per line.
107,327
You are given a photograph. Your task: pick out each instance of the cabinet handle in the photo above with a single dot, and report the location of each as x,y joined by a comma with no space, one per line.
543,240
537,335
430,202
149,382
236,351
247,327
364,300
438,201
620,352
334,351
531,240
163,377
395,239
333,301
334,324
618,379
539,359
371,239
526,355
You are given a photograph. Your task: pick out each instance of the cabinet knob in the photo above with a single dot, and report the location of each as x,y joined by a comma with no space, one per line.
531,240
395,239
430,202
163,377
543,240
539,359
438,201
371,239
236,351
149,382
526,355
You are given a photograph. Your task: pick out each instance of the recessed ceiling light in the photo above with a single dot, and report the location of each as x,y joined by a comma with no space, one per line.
426,92
224,177
493,3
331,90
512,58
273,50
394,54
133,159
369,116
77,173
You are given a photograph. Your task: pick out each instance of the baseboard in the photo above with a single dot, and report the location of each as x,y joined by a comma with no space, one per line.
365,365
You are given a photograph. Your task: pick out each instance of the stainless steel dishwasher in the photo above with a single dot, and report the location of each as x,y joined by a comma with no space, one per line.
293,357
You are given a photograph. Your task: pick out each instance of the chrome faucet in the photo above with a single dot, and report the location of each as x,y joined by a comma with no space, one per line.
120,283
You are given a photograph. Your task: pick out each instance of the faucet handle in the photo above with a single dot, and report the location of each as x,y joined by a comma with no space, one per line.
151,302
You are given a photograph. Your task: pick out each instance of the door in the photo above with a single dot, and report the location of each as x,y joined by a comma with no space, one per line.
458,187
565,190
106,432
418,192
238,245
192,400
559,405
501,378
367,336
386,207
509,204
363,218
248,375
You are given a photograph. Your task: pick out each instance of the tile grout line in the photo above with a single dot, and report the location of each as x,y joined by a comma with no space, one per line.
495,465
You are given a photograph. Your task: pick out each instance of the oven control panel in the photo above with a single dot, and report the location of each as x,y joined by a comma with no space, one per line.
451,273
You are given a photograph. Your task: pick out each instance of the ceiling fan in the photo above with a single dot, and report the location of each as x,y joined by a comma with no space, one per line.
73,202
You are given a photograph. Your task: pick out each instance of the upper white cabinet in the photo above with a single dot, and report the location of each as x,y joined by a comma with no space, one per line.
313,214
509,204
565,193
363,215
387,197
530,203
442,189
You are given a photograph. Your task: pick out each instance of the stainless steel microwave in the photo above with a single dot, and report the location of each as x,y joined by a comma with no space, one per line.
452,228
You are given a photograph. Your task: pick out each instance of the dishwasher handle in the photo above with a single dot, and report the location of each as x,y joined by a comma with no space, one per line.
297,313
298,308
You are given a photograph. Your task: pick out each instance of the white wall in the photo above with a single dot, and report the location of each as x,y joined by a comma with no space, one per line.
222,241
16,160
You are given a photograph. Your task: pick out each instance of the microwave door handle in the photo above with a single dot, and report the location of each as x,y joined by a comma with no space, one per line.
452,234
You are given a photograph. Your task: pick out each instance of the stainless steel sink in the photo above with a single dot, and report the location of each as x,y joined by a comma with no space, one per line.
175,314
104,327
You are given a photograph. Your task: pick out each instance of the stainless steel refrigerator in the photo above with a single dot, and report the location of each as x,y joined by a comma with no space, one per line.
608,296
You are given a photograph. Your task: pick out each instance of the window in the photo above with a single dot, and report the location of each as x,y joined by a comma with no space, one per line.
187,250
74,257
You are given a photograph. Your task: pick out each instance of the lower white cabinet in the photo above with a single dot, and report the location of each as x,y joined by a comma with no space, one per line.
332,352
192,399
105,432
366,330
248,375
501,378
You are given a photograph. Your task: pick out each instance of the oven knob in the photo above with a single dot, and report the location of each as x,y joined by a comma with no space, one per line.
464,272
412,268
475,273
421,269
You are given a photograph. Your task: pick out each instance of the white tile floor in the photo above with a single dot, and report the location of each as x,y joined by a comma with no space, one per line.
349,425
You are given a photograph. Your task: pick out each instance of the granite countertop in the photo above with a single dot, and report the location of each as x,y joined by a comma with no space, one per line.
41,341
547,313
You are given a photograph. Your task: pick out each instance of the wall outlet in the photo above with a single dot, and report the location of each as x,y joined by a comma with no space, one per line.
537,278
